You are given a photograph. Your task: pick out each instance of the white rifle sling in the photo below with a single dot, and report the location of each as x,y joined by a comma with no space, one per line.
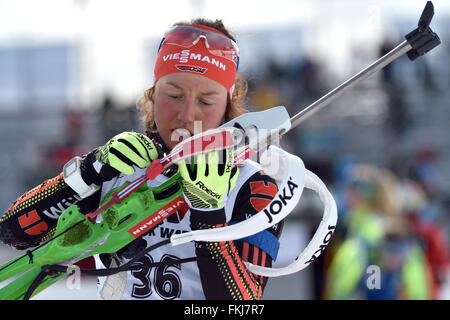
293,173
320,239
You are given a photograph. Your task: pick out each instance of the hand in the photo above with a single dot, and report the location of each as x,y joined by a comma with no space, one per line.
127,149
207,181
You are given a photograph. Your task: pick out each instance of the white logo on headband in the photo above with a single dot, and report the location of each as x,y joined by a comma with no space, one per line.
185,55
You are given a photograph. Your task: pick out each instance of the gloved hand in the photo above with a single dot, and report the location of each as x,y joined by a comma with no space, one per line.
127,149
207,182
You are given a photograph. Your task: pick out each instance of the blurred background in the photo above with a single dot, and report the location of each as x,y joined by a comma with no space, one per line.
71,72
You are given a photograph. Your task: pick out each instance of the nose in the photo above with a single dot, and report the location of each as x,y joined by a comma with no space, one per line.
188,112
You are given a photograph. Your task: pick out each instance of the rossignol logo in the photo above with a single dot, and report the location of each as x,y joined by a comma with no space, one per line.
207,190
186,55
191,68
324,244
276,206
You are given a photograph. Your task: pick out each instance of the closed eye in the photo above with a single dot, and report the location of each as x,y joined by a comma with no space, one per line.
206,103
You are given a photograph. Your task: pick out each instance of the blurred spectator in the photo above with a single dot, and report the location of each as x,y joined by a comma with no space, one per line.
413,201
115,118
422,169
377,239
398,118
310,78
275,71
70,143
50,156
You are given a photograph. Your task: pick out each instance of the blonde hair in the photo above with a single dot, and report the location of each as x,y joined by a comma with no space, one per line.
384,184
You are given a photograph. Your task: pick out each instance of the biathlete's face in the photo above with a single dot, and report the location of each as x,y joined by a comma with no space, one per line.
182,100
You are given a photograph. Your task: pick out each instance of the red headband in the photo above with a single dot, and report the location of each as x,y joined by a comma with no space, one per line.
197,60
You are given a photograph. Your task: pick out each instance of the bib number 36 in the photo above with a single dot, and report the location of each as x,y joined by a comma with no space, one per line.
163,280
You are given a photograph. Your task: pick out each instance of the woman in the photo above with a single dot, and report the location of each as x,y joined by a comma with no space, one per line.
195,83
